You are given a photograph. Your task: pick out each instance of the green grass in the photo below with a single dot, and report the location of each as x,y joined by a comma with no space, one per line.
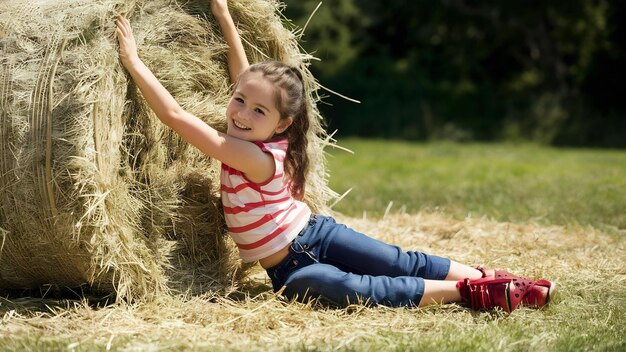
507,182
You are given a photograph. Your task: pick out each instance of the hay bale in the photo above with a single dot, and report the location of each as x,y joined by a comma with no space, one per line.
94,190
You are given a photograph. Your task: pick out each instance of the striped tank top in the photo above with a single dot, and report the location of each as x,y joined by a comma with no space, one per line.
262,218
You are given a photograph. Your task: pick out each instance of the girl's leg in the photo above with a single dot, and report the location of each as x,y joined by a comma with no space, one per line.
354,252
343,288
438,292
461,271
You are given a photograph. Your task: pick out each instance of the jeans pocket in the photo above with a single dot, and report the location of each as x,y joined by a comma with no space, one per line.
303,249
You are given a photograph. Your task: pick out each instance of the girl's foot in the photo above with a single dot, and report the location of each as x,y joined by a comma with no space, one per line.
535,294
538,295
506,293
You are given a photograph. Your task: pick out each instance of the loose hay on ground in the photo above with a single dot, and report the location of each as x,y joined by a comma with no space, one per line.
588,264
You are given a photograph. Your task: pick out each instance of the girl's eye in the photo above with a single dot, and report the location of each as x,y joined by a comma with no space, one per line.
239,100
259,111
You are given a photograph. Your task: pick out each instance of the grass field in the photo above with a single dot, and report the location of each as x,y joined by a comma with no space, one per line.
508,182
540,212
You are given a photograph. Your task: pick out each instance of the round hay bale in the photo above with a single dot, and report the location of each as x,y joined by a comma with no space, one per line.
94,189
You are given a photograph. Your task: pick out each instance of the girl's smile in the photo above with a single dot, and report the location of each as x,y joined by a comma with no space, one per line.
240,126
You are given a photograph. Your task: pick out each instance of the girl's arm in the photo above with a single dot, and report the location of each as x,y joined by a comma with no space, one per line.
236,153
237,60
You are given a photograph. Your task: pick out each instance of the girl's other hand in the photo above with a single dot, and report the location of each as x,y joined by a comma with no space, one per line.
128,46
219,7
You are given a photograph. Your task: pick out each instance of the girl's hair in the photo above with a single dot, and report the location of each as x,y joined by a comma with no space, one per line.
290,101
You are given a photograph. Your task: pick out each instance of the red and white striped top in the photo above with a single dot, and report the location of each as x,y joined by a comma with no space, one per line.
262,218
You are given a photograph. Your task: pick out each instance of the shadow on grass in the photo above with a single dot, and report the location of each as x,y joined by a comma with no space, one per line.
46,299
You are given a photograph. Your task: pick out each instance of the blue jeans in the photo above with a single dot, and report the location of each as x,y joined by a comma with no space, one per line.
341,266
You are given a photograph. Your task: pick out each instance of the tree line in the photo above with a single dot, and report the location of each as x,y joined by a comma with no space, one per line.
546,71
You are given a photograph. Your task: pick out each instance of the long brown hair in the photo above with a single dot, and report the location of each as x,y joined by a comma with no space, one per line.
290,101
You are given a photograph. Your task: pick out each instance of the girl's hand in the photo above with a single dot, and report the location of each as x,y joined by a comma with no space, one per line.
219,7
128,46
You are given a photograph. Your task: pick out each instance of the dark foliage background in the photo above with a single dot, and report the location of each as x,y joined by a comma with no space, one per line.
547,71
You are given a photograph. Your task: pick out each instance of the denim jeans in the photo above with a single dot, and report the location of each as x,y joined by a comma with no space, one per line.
334,263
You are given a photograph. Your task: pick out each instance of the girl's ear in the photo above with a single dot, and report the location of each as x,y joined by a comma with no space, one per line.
283,124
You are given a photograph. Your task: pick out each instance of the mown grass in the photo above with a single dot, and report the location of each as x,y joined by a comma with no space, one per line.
540,212
508,182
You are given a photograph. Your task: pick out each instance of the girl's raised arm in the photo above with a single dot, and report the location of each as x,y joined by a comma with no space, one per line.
237,60
236,153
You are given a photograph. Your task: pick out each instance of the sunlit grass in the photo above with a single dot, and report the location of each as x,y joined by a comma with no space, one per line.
588,313
505,181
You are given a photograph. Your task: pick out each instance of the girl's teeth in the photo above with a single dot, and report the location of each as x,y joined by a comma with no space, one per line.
240,126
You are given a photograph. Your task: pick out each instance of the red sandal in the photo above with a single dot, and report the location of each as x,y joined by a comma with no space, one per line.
497,274
506,293
539,292
535,294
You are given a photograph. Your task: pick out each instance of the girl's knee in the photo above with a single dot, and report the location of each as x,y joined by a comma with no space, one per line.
310,282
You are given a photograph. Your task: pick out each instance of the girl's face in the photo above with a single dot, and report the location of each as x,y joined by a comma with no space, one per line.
252,113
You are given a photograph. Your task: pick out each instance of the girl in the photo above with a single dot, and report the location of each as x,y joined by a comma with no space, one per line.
264,165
